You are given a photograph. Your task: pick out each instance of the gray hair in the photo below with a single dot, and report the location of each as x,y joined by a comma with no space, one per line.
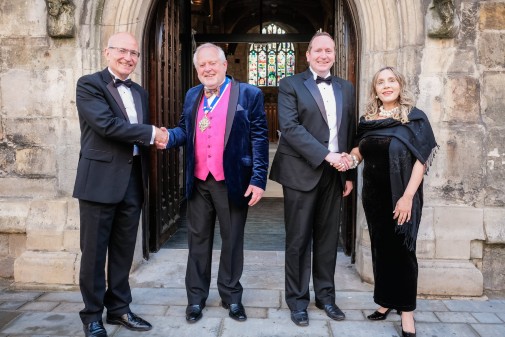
220,52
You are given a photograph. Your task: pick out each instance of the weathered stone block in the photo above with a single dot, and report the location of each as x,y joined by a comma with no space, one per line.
45,267
453,178
464,223
71,240
493,97
364,265
13,215
455,228
36,162
495,170
45,225
462,96
6,267
468,25
73,219
32,131
492,49
491,15
452,249
17,244
28,188
4,244
47,214
494,225
493,267
476,249
426,236
27,21
466,279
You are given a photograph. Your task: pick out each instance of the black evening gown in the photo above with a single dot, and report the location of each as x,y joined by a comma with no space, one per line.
394,266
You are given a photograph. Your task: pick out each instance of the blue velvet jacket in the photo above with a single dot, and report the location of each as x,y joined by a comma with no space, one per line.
245,158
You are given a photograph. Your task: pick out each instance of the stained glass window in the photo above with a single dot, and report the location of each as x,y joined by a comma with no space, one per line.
269,62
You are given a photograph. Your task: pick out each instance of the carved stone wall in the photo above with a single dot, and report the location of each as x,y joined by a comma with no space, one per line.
459,83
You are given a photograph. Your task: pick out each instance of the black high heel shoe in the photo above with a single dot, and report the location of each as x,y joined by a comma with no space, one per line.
379,316
407,334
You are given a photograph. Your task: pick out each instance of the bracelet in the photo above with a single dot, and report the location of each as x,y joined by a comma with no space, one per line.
355,162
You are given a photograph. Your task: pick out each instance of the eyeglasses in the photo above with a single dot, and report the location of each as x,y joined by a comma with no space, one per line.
124,51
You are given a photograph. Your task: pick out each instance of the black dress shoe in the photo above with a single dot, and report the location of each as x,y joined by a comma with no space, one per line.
129,321
332,311
194,312
300,317
94,329
237,311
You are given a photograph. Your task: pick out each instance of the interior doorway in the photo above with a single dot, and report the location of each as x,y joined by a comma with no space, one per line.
175,29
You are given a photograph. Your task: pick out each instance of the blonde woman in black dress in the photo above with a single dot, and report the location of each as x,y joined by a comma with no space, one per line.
397,144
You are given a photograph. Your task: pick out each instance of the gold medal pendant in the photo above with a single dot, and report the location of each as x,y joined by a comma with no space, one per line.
204,124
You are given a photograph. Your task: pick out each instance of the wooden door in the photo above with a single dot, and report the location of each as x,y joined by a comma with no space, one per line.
346,66
163,78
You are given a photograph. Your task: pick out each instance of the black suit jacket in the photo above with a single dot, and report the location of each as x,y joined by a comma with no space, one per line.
304,130
107,138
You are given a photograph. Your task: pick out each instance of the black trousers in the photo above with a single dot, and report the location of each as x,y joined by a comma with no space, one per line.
112,229
312,220
210,198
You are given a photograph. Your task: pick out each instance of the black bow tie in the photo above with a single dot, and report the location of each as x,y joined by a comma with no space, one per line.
326,80
118,82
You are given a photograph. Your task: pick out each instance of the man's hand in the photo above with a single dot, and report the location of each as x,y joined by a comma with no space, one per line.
338,161
257,193
161,138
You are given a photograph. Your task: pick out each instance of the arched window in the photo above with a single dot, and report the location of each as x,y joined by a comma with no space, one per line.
269,62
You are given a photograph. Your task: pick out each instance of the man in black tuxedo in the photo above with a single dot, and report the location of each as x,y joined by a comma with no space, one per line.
317,122
111,183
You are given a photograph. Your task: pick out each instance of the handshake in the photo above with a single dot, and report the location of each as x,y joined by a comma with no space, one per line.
342,161
161,138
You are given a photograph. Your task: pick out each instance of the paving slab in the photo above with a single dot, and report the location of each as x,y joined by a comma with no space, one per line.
61,296
11,305
456,317
478,305
363,329
490,330
38,306
19,296
485,317
168,327
445,330
7,316
52,324
273,328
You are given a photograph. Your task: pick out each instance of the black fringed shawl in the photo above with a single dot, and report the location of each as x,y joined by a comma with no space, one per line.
409,141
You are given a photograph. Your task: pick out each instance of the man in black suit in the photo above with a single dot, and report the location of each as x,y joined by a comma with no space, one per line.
317,122
111,183
223,126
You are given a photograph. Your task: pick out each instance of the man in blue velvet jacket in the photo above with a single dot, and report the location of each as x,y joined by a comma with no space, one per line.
224,128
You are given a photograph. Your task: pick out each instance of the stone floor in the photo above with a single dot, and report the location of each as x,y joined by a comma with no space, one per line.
264,229
159,296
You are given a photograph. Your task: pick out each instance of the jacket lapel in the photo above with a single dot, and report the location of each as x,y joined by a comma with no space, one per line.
107,78
232,108
194,112
314,91
138,105
337,90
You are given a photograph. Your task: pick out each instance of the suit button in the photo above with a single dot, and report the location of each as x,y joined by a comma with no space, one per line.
129,161
326,141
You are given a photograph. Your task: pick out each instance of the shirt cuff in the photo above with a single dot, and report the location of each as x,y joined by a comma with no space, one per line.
153,135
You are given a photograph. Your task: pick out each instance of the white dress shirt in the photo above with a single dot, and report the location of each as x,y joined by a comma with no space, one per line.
330,105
